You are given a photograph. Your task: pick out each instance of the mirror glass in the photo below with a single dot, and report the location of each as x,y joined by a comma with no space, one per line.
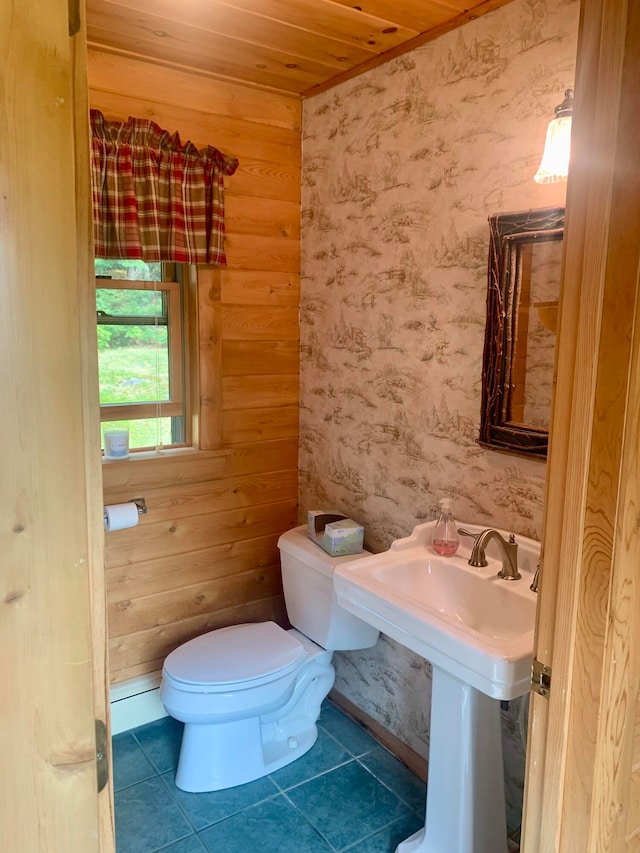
525,261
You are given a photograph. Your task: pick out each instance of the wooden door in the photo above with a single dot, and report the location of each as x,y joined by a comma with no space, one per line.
52,634
583,778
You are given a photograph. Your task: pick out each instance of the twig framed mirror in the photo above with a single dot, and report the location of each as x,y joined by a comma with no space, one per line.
525,264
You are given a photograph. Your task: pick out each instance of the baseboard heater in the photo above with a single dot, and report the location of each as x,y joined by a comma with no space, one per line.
136,702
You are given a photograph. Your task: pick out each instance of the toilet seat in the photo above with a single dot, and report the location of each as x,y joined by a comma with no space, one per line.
240,657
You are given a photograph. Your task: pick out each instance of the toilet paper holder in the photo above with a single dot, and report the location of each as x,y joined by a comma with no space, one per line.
124,515
141,504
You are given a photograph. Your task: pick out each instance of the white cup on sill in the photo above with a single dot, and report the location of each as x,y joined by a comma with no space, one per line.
116,443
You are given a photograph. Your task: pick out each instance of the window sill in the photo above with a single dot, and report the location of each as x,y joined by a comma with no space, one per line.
169,454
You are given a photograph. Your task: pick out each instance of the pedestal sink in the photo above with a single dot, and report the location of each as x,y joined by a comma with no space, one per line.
477,631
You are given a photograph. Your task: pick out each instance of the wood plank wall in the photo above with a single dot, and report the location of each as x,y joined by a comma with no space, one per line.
205,555
633,805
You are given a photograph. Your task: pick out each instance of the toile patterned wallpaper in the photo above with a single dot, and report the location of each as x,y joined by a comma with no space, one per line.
401,168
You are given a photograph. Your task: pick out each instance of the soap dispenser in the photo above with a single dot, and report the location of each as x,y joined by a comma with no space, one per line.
445,538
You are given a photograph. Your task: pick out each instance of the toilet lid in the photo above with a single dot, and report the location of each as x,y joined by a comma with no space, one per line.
236,654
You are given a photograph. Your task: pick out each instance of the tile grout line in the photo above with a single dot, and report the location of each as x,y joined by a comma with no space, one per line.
395,793
307,821
146,755
176,801
367,837
344,746
311,778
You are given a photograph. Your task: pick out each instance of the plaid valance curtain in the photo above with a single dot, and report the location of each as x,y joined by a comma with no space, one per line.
153,198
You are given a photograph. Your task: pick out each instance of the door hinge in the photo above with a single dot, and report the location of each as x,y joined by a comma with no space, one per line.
540,678
102,756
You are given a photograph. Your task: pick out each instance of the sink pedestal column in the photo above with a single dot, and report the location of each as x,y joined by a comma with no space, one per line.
465,788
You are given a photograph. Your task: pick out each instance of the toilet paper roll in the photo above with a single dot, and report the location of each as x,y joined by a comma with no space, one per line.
119,516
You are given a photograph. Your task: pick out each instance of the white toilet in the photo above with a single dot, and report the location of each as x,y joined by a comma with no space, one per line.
250,695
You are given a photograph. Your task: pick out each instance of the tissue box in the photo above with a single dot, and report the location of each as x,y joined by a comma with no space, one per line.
317,520
335,533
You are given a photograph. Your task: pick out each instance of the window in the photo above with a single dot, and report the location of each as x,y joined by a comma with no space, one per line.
140,351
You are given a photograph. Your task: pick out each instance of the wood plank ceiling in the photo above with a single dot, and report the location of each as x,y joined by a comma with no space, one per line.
295,46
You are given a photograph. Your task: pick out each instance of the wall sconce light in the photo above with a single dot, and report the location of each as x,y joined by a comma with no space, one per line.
554,166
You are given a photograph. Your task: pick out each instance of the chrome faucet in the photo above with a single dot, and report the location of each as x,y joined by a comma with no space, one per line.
536,579
509,570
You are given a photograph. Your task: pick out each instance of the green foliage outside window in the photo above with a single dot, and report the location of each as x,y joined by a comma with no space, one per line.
133,303
133,355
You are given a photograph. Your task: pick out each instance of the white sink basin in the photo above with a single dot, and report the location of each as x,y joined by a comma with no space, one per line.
469,622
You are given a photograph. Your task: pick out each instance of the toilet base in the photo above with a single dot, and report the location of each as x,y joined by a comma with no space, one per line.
218,755
214,757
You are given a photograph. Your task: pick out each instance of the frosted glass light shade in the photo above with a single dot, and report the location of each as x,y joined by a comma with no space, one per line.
554,166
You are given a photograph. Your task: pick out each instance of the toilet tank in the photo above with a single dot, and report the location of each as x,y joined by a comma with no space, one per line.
312,607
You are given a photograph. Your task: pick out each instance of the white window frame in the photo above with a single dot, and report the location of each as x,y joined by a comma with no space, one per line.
175,405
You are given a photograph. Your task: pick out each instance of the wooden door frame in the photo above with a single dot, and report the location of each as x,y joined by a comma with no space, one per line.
588,631
53,623
91,417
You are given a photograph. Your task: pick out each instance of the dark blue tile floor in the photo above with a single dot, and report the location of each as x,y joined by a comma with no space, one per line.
346,793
